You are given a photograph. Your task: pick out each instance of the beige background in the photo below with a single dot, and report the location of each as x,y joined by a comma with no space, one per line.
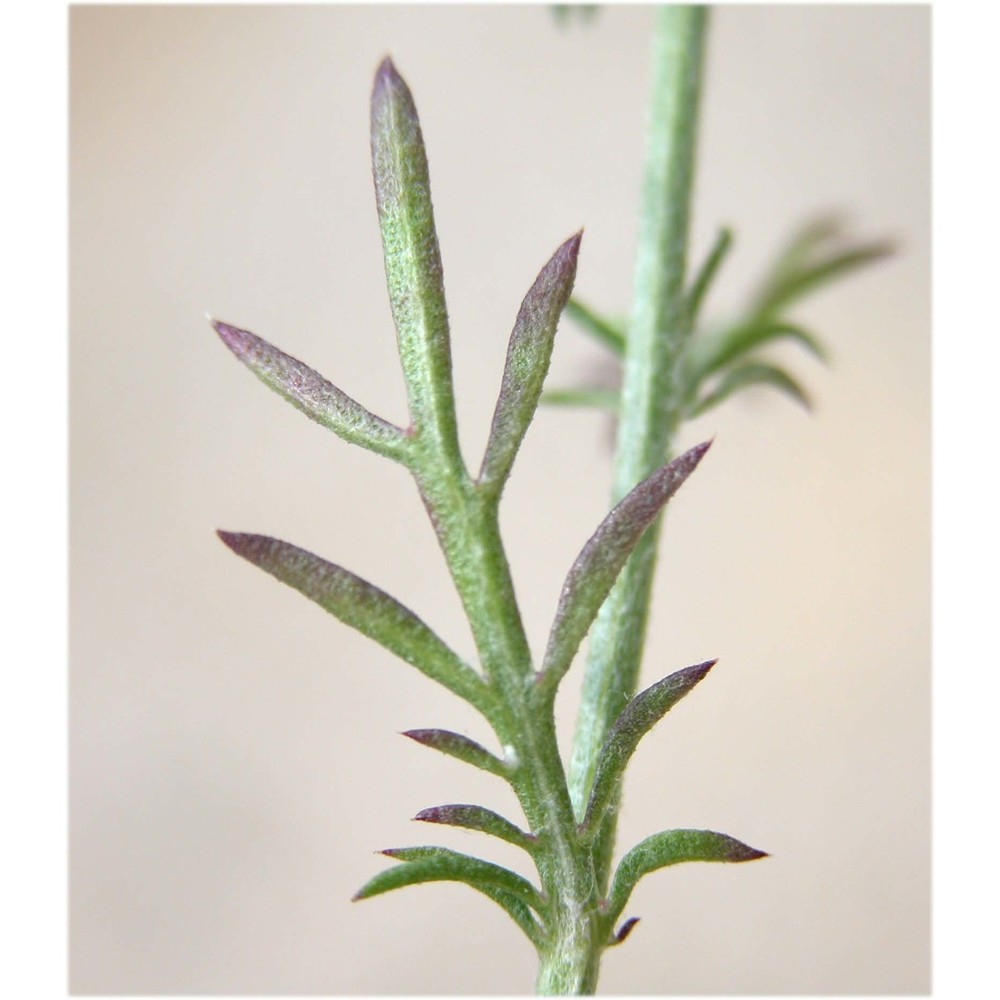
234,757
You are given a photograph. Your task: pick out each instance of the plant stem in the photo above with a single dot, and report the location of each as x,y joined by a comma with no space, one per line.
465,518
651,393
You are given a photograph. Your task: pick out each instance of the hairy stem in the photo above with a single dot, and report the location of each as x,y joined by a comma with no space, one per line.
651,393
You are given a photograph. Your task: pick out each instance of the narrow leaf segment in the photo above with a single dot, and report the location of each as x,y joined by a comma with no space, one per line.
672,847
750,374
473,817
596,568
435,864
309,392
438,864
528,354
413,270
601,329
460,747
362,606
638,718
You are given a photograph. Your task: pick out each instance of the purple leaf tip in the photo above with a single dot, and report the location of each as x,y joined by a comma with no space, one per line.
626,929
237,340
386,75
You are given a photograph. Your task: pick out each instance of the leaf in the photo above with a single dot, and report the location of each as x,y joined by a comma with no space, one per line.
709,355
440,864
636,719
598,396
413,270
461,748
671,848
624,931
815,255
750,374
703,282
473,817
601,329
528,354
596,568
309,392
364,607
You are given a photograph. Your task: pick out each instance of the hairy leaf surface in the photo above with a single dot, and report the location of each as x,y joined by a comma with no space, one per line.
673,847
636,719
362,606
600,561
528,354
309,392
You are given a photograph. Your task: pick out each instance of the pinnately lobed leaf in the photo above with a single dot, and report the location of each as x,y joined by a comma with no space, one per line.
636,719
472,817
309,392
460,747
414,275
528,354
596,568
672,847
364,607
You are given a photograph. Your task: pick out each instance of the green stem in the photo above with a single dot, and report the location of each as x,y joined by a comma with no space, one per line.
651,392
465,518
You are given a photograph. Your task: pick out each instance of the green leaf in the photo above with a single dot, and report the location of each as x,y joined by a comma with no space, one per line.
309,392
750,374
528,354
472,817
636,719
815,255
460,747
601,329
703,282
364,607
710,354
597,396
596,568
413,270
672,847
438,864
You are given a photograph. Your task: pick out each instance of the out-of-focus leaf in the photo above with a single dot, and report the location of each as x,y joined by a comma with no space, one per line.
747,375
596,396
710,354
636,719
601,329
528,354
364,607
601,560
438,864
460,747
671,848
309,392
703,281
412,259
816,254
472,817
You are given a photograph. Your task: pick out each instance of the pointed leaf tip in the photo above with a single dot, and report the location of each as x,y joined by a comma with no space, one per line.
626,929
